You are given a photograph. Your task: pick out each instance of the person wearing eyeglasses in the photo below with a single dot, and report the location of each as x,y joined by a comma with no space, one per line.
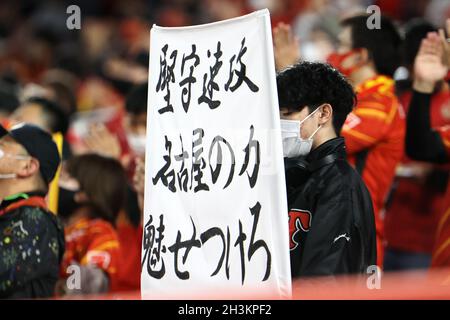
31,237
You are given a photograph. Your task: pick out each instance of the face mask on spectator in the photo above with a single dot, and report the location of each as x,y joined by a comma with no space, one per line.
137,143
293,144
66,202
18,157
262,4
337,59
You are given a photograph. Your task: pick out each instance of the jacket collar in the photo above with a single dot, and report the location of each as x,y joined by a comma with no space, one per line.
9,200
334,147
298,169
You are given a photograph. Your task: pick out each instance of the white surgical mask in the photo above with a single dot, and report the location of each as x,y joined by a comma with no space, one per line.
137,143
262,4
18,157
293,143
8,175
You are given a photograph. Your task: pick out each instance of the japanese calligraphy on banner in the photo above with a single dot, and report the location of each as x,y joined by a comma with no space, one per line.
215,212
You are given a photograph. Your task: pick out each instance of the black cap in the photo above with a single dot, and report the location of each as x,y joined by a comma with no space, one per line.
39,144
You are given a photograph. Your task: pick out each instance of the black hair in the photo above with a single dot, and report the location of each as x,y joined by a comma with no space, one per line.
64,97
136,99
415,31
311,84
383,44
8,99
57,119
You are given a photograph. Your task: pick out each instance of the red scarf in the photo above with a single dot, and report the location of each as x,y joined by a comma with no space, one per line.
34,201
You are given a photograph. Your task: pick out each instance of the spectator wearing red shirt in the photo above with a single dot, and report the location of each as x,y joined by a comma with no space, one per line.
129,223
416,200
374,131
92,192
422,141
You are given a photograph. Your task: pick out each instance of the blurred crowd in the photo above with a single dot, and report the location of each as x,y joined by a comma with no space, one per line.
87,89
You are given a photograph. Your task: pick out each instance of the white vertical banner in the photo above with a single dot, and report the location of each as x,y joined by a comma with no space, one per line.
215,211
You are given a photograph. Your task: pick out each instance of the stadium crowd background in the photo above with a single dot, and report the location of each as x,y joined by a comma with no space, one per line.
90,85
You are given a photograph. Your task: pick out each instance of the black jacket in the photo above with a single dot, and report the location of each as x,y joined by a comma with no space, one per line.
331,219
31,248
421,141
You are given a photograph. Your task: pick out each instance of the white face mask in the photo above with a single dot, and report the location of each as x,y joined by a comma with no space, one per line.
293,143
137,143
262,4
10,175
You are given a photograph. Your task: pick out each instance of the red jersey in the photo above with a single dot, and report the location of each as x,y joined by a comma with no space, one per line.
129,275
414,212
441,251
374,135
92,242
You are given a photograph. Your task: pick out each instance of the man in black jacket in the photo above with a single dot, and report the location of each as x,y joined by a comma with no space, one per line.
331,219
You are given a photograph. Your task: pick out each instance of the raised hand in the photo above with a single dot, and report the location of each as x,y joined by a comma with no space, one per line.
430,65
286,46
446,43
100,140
